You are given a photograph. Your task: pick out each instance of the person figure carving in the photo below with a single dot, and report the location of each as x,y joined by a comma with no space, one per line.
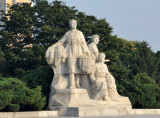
99,84
94,51
110,81
75,46
93,45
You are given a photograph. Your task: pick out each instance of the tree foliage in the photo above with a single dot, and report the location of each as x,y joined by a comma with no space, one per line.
40,77
2,62
15,96
143,92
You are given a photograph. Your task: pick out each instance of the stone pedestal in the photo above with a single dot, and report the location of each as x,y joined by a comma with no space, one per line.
29,114
76,102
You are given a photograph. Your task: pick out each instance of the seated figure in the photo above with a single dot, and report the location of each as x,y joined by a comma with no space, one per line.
99,83
103,83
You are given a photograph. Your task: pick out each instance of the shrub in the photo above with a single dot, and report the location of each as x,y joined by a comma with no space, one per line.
15,96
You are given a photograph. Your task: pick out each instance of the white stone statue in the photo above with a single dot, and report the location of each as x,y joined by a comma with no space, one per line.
81,78
73,45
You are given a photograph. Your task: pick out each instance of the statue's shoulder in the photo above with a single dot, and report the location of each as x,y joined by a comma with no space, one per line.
79,31
92,45
67,32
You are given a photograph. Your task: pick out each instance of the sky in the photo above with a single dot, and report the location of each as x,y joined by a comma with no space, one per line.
131,19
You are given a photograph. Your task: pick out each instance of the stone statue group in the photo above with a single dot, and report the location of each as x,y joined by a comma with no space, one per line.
78,66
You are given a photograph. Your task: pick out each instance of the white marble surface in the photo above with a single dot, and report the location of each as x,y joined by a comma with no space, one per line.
99,113
31,114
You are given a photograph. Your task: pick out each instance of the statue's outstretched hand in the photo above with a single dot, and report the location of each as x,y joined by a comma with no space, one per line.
56,44
107,60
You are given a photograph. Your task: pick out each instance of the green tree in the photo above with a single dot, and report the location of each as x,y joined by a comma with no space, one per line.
16,34
40,77
158,67
145,60
15,96
2,62
17,31
143,92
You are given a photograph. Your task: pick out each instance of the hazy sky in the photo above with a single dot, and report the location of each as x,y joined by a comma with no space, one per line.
130,19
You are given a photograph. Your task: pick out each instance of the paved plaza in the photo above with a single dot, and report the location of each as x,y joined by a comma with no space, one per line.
126,116
135,116
130,116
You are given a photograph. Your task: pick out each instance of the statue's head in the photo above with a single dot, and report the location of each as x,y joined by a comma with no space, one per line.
101,57
73,24
95,39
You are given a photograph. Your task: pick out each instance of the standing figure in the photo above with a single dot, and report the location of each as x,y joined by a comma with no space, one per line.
93,45
94,51
75,46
